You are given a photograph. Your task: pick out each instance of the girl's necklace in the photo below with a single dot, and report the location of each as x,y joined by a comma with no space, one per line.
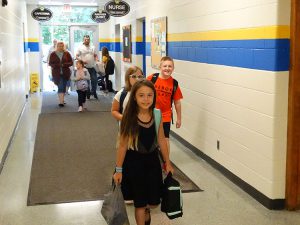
145,124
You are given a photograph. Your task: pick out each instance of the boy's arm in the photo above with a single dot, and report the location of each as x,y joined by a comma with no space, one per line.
177,104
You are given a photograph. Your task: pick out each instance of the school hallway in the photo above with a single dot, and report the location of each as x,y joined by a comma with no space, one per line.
221,202
237,64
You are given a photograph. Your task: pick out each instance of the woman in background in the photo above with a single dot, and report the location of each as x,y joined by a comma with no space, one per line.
60,61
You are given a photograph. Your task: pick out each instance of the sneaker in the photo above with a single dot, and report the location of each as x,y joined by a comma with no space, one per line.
80,109
128,202
61,105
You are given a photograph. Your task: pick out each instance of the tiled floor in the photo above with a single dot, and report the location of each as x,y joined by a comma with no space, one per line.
221,202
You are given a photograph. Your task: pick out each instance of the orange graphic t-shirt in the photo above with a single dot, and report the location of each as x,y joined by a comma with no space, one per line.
164,88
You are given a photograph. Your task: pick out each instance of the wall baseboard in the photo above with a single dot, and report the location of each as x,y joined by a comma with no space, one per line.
274,204
10,140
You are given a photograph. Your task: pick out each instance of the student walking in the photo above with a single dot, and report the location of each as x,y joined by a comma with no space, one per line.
87,53
138,167
119,103
82,77
167,91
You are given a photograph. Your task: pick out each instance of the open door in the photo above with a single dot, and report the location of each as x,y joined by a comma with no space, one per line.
76,37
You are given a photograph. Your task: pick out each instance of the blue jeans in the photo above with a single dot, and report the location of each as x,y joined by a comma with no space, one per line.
93,75
62,85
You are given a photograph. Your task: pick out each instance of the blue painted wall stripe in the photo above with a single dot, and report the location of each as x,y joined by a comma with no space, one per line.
138,48
31,47
265,54
112,46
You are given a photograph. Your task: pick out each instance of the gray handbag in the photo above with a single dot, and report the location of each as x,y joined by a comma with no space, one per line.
113,209
82,85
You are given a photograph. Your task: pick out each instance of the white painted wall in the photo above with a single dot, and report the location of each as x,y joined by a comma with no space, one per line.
34,34
14,79
245,109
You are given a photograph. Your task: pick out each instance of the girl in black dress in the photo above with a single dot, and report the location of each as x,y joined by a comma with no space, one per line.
140,174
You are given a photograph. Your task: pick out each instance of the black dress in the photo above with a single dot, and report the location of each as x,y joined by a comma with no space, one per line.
142,174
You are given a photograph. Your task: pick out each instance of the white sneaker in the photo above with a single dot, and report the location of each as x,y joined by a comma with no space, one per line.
128,202
80,109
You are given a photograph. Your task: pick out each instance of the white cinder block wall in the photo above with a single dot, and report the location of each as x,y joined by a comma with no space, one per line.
245,109
14,80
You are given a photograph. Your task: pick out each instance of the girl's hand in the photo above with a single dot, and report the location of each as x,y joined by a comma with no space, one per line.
117,178
169,168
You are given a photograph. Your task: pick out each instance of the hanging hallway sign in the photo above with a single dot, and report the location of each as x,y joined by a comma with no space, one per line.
100,16
41,14
117,8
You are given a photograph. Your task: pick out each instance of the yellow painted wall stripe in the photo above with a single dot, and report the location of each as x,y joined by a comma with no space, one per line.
266,32
31,40
138,39
270,32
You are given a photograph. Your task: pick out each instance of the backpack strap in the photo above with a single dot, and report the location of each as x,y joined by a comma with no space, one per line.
154,77
122,98
175,85
157,119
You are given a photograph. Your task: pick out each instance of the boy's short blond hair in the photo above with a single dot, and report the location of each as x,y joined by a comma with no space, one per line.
166,58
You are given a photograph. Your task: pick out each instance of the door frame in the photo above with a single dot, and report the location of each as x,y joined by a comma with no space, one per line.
293,135
94,28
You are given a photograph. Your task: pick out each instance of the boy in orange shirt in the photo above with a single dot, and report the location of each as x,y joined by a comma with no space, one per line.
164,85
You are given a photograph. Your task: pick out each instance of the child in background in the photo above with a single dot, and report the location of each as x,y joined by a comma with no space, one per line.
164,85
138,167
81,73
132,74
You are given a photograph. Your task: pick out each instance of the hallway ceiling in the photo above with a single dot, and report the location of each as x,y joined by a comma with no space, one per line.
74,2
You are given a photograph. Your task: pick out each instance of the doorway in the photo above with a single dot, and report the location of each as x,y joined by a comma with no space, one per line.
72,36
76,37
48,33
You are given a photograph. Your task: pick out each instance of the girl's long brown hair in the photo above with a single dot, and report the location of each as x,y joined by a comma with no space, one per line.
129,123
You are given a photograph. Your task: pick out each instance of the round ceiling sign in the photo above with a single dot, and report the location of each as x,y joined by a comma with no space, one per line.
41,14
117,8
100,16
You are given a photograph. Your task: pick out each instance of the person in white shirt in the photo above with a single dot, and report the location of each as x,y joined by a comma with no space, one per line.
87,54
51,49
